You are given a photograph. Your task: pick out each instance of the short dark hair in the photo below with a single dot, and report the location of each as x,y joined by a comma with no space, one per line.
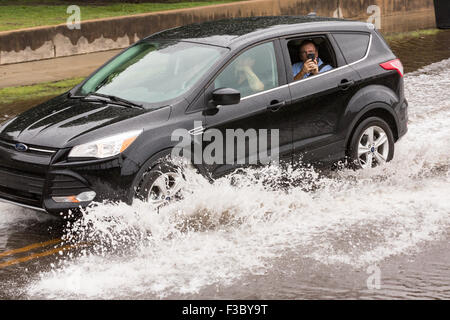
308,41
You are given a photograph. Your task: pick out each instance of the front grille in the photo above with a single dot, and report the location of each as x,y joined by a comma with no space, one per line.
65,185
31,149
21,181
21,187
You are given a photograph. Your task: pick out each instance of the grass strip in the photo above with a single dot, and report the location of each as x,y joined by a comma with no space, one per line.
26,14
22,93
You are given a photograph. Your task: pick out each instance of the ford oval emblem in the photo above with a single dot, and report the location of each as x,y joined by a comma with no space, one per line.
21,147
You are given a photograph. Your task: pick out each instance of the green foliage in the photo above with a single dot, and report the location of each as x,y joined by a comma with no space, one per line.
13,94
31,13
411,34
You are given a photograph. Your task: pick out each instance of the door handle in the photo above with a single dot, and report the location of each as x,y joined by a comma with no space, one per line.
275,105
345,84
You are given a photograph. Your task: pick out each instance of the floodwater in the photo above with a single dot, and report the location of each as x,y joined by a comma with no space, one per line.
382,233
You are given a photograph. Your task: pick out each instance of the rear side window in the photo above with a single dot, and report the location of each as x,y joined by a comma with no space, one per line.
353,45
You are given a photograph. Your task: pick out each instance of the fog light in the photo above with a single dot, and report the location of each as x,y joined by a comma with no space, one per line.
82,197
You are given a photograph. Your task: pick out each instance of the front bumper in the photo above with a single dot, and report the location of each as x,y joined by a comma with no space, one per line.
33,178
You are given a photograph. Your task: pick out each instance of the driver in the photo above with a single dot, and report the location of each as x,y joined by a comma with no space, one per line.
246,77
307,67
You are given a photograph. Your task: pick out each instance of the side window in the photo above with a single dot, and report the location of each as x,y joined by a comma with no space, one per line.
353,45
253,71
302,50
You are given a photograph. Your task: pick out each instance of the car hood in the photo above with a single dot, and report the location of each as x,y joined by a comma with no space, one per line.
57,122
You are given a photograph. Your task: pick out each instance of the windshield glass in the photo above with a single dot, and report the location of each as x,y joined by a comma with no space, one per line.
152,72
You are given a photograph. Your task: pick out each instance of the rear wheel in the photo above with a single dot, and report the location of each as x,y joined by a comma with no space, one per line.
372,144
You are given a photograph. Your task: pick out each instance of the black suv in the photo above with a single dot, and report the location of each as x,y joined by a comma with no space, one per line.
331,89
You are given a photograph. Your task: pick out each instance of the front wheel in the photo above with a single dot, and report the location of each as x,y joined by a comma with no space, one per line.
372,144
161,184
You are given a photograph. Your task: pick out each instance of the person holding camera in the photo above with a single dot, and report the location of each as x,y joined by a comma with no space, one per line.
311,64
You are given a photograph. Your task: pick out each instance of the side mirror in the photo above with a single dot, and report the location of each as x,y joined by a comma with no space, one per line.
225,96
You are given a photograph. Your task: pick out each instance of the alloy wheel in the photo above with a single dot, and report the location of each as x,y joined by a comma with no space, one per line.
165,188
373,147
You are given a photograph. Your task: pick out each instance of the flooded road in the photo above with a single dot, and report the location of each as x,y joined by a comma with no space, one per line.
382,233
420,51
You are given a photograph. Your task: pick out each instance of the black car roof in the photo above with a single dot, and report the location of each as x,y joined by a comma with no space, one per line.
230,32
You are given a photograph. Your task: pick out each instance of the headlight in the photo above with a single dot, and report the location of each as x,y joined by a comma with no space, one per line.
106,147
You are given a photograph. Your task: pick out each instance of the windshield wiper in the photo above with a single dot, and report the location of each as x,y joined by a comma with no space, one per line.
114,99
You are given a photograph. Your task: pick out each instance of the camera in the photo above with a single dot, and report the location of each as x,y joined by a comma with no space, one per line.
311,56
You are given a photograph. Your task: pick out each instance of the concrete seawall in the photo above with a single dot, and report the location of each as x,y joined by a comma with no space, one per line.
119,32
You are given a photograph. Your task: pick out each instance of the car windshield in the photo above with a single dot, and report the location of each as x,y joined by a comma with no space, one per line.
152,72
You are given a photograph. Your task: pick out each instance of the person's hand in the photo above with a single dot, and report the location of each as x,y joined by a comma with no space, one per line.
244,64
310,66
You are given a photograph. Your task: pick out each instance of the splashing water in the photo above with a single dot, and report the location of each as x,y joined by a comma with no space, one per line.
241,224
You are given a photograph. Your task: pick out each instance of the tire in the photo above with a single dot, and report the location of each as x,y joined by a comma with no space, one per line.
160,184
371,145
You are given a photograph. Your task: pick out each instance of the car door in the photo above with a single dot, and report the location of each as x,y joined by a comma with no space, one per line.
318,102
261,115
